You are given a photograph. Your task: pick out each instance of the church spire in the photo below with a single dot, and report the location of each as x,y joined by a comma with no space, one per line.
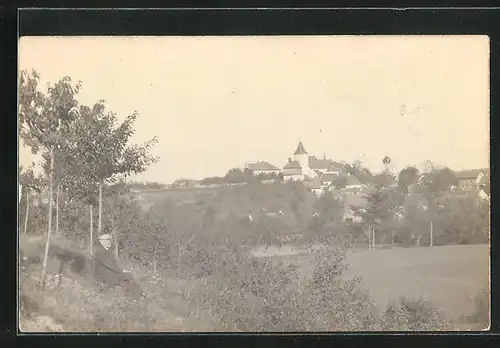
300,149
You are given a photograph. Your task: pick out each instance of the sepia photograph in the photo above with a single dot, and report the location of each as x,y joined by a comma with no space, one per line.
254,183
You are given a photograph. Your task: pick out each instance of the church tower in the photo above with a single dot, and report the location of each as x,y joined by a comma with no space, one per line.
300,155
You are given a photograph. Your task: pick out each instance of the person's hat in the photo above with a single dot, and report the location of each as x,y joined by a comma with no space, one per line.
105,237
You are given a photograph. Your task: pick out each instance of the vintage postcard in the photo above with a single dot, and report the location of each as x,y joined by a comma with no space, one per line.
254,184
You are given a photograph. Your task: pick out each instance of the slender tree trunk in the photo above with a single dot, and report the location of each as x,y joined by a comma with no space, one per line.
57,210
49,230
99,231
154,260
27,212
179,260
369,238
91,239
115,241
373,241
431,243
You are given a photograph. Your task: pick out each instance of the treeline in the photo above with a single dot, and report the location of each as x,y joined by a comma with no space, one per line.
239,176
146,185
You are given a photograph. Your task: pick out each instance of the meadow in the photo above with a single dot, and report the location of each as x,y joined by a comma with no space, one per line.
448,276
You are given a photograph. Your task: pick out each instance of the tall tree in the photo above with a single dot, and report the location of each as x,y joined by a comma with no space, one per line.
100,155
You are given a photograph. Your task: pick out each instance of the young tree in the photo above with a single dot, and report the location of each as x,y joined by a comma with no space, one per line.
379,212
30,184
42,119
100,154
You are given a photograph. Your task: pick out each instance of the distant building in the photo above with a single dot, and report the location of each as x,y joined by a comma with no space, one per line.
184,183
314,185
470,179
292,171
262,167
317,174
303,166
353,182
484,187
352,197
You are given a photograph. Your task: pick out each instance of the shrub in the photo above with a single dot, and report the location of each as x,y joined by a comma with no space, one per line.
481,313
412,315
250,294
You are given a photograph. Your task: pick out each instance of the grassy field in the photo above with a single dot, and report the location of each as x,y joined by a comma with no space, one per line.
449,276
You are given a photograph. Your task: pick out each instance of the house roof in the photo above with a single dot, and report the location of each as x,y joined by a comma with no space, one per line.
328,177
261,165
486,188
315,163
300,149
312,184
351,180
484,184
469,174
292,165
485,180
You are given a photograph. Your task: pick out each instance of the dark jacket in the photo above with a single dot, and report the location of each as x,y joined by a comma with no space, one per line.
106,268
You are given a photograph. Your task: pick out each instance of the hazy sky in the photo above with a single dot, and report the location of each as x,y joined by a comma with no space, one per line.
218,102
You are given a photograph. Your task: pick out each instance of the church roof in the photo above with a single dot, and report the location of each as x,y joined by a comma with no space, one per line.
300,149
315,163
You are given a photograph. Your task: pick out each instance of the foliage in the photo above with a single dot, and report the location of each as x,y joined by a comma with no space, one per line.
238,176
407,177
463,220
42,117
91,146
356,168
256,295
412,315
215,180
30,181
437,180
327,223
380,210
99,151
482,305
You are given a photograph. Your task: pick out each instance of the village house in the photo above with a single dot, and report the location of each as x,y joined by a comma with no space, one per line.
470,179
314,185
